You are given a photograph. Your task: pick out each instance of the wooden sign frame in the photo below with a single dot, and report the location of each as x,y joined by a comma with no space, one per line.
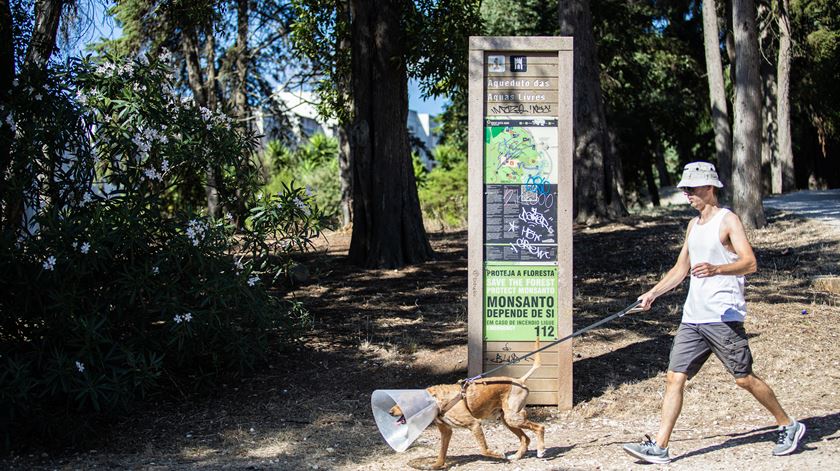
526,83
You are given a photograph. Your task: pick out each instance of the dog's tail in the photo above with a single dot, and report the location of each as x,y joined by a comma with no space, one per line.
537,363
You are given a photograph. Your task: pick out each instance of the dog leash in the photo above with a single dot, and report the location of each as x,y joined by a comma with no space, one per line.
629,309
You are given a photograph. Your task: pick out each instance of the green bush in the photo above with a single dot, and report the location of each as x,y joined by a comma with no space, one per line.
443,195
314,166
116,285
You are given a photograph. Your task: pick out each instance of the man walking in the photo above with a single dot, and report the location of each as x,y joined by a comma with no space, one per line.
717,255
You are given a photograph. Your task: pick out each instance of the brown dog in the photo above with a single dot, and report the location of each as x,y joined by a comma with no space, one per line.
496,397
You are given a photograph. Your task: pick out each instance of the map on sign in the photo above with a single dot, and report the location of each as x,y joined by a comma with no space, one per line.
520,151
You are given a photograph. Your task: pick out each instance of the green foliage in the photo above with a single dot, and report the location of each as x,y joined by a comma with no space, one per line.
653,82
117,286
454,128
448,156
816,38
314,166
522,17
318,29
437,34
443,192
419,168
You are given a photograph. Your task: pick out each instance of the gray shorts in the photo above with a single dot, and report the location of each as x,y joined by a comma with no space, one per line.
695,342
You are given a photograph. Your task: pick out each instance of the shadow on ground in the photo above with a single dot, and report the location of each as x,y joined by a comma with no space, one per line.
388,329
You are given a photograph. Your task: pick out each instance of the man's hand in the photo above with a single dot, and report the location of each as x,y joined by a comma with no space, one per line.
703,270
646,300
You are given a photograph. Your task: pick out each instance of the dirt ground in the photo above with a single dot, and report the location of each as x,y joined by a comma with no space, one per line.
407,329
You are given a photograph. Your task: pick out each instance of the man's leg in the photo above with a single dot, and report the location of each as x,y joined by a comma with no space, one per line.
731,345
688,354
762,392
671,406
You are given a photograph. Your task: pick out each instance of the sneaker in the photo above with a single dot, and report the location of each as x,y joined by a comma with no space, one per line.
788,439
649,451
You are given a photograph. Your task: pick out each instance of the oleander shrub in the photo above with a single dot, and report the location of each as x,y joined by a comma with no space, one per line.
116,284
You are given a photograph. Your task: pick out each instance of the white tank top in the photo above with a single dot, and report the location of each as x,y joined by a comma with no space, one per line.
718,298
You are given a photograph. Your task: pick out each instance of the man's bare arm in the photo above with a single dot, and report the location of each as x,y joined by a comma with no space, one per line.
672,279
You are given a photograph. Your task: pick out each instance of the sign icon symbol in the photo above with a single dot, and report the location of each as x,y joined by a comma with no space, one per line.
518,64
496,64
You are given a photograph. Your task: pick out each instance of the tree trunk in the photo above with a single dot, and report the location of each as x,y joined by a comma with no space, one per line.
240,98
345,174
211,86
189,46
596,193
211,189
38,52
651,184
388,227
717,94
614,185
345,171
783,166
768,103
661,168
42,42
746,156
729,42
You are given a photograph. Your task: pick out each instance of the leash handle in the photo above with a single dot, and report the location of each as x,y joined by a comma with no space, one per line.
628,310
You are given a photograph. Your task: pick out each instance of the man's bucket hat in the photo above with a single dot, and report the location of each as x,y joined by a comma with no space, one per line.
699,174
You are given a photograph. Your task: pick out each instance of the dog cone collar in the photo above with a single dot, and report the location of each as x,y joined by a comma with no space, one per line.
419,410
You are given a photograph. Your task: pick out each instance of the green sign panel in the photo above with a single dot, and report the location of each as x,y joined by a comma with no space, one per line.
520,302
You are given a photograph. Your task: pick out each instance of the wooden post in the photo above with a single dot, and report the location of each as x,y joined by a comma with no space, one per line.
520,212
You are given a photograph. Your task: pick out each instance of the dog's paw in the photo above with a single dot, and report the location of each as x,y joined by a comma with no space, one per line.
540,453
513,457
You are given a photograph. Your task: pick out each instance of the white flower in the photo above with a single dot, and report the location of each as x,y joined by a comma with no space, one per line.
86,199
49,263
308,190
229,216
38,97
15,83
85,248
165,165
155,270
187,317
196,230
165,55
80,366
253,280
182,318
178,319
259,196
301,205
153,174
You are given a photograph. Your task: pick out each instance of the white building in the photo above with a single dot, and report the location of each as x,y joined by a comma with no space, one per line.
422,126
302,117
304,121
